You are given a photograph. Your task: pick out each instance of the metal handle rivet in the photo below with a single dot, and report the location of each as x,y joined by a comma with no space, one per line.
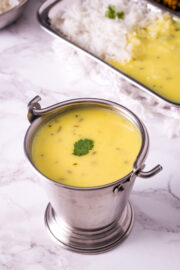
118,189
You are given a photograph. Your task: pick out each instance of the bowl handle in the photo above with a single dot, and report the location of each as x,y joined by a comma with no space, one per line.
35,110
33,106
150,173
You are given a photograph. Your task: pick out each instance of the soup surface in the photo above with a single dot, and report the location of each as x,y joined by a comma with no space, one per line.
86,147
156,58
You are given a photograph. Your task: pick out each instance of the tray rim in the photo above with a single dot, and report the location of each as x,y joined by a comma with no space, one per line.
44,21
163,8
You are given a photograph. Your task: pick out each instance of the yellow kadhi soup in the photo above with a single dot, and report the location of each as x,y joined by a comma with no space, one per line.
115,144
156,58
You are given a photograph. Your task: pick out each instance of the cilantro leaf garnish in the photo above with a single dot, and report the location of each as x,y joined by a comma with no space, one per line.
111,12
120,15
82,147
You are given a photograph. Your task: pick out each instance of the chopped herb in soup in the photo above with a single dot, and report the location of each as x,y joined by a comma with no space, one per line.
86,147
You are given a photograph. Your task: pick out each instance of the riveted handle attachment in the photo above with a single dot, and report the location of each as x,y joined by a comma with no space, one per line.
32,106
140,173
150,173
35,110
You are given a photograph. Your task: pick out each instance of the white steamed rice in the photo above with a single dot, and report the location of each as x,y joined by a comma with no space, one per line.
84,23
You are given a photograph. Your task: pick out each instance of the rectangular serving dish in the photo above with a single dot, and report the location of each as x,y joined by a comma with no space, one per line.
44,20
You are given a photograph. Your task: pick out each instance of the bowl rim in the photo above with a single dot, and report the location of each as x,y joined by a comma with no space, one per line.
14,7
137,163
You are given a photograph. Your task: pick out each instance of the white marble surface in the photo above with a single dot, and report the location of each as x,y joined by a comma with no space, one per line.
29,66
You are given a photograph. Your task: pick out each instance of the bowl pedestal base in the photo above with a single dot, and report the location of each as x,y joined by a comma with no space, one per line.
89,241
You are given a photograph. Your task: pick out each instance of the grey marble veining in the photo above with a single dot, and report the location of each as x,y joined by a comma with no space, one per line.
29,65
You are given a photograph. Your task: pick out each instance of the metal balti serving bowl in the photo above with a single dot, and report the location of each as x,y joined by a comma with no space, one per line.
11,15
94,219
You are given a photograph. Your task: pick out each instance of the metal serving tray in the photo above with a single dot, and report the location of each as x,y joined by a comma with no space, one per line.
44,20
165,8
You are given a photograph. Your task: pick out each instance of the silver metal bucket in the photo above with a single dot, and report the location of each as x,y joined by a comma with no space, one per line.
94,219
